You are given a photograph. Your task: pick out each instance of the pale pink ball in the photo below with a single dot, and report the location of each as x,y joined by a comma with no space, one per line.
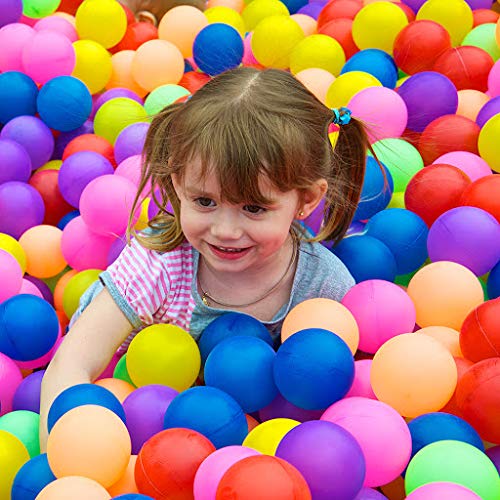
469,163
28,287
361,385
59,24
13,38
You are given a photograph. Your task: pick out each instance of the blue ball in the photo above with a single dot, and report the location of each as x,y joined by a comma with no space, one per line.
230,325
66,219
439,426
217,48
243,367
367,258
210,412
493,284
64,103
32,478
404,233
313,369
18,93
376,62
132,496
28,327
376,192
294,5
83,394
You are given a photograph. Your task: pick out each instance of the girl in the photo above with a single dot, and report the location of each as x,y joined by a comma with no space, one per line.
241,162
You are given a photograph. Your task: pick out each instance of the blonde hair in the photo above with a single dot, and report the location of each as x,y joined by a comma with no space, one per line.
243,124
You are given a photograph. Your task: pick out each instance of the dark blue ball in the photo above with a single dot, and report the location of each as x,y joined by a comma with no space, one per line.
493,284
64,103
217,48
211,412
18,93
66,219
83,394
28,327
313,369
230,325
132,496
294,5
376,62
243,367
32,478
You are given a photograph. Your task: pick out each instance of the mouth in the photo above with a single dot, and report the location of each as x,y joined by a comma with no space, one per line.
229,252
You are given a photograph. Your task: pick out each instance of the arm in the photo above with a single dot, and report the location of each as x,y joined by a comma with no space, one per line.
85,352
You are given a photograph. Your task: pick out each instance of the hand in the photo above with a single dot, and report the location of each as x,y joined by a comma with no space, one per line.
153,10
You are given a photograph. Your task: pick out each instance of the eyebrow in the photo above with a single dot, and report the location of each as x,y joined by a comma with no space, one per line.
199,192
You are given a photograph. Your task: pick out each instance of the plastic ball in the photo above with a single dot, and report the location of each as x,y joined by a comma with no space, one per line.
483,16
193,80
39,8
137,34
90,142
341,30
453,462
374,62
133,496
64,138
321,450
366,258
347,85
483,36
27,395
93,64
361,385
74,487
24,425
10,378
57,23
470,102
257,10
12,275
266,436
487,145
121,74
12,246
163,96
119,388
494,81
494,455
226,15
130,141
12,457
113,93
13,38
316,80
442,490
18,93
448,337
280,408
494,282
32,477
471,164
11,11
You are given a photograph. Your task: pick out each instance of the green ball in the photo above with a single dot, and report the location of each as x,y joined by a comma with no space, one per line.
454,462
121,371
39,8
162,97
115,115
483,36
24,426
401,158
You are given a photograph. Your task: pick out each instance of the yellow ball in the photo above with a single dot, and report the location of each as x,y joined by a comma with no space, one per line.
267,436
93,65
75,288
454,15
257,10
12,246
377,25
142,221
347,85
225,15
318,51
163,354
273,40
488,144
397,200
13,455
103,21
51,165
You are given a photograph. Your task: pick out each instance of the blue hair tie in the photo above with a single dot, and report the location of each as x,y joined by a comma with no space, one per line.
341,116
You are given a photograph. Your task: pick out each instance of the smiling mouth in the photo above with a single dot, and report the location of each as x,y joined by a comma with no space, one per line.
230,249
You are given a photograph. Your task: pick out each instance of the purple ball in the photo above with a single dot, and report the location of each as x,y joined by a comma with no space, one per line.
130,141
145,411
479,4
490,109
494,455
414,4
116,249
281,408
469,236
153,208
27,395
428,95
312,9
78,170
15,162
10,11
116,92
43,287
328,457
21,207
65,138
369,494
33,135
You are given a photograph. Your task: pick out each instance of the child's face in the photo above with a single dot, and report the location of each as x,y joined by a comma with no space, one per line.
234,238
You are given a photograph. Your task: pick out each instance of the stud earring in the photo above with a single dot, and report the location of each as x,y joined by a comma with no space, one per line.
301,214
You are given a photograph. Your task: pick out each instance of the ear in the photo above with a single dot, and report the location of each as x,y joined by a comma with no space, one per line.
311,198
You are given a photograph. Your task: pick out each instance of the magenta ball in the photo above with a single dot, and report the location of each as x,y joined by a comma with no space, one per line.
468,236
328,457
10,378
361,385
21,207
13,38
281,408
469,163
438,490
130,168
15,162
130,141
12,276
27,395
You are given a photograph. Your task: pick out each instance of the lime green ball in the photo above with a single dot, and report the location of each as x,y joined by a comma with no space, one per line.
163,96
121,371
401,158
483,36
115,115
317,51
257,10
454,462
39,8
75,288
24,425
397,200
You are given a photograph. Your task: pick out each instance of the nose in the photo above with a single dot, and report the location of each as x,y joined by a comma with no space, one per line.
226,226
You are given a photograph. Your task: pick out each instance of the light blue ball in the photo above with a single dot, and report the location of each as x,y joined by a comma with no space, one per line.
18,93
32,478
493,284
376,62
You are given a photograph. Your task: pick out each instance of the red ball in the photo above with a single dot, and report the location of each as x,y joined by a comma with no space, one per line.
410,14
192,81
137,34
419,44
484,193
451,406
262,476
56,207
480,332
448,133
90,142
484,16
167,463
434,190
69,6
336,9
478,397
467,67
341,30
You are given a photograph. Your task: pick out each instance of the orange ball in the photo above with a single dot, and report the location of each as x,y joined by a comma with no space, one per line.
252,423
60,287
470,102
120,388
90,142
42,246
322,313
447,336
307,23
121,75
316,80
75,487
444,293
126,484
89,441
413,373
237,5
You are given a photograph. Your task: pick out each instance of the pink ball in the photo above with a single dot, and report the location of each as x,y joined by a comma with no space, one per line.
442,491
381,432
215,466
130,168
382,109
47,55
469,163
43,360
382,310
12,276
59,24
106,203
361,385
10,378
13,38
30,288
494,80
84,249
248,57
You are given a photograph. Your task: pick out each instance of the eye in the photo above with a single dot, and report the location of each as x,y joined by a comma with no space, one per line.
204,202
254,209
